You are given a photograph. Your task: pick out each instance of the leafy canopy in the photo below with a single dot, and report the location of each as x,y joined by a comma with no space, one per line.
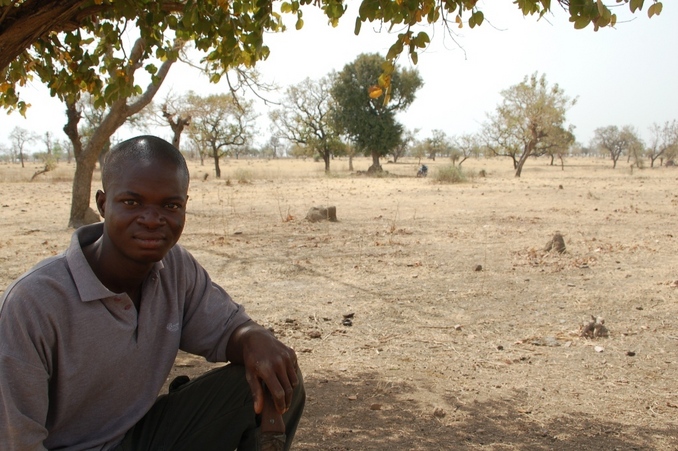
71,44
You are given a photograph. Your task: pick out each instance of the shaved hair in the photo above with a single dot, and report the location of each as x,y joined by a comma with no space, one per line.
142,148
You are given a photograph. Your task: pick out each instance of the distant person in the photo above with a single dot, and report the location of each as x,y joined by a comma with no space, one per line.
88,338
423,171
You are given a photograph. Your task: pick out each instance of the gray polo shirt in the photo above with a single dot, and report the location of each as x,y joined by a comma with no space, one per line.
79,365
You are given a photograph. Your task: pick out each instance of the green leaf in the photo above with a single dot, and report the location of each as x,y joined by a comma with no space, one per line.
300,24
421,40
654,10
581,22
601,7
636,5
358,24
478,17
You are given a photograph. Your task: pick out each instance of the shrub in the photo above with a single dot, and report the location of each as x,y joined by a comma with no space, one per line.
449,174
243,176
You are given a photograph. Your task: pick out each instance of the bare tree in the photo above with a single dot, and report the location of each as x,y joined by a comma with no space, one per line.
306,118
219,124
466,145
614,141
406,142
176,114
663,142
529,121
20,137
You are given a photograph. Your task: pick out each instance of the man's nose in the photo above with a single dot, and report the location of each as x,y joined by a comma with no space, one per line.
152,217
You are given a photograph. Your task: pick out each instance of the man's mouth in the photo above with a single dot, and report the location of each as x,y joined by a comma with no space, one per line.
150,241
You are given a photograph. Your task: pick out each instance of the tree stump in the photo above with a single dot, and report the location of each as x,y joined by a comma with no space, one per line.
557,243
316,214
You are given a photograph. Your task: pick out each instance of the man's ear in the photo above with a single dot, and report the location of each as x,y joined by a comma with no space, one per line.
101,202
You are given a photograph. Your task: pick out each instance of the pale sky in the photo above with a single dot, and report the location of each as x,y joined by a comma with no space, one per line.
622,76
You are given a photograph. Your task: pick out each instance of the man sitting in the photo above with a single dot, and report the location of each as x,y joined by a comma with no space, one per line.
88,338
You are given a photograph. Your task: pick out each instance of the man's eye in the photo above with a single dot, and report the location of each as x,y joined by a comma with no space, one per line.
130,202
173,206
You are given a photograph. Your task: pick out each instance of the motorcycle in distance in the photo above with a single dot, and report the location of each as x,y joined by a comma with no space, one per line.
423,171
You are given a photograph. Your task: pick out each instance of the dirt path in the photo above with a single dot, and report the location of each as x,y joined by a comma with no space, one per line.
439,355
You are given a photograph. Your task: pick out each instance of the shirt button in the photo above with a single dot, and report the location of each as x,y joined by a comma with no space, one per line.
116,299
128,306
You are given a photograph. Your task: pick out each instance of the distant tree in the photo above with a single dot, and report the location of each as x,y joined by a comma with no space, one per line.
614,141
466,145
274,147
48,141
175,113
361,112
403,147
220,124
663,141
419,150
298,151
439,144
20,137
529,121
578,149
306,117
6,153
58,150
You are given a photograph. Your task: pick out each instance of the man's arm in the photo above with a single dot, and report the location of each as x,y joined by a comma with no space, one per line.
267,362
23,405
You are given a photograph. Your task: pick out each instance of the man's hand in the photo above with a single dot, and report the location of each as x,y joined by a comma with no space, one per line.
267,361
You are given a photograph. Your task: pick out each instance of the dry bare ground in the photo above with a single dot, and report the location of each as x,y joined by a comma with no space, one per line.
440,355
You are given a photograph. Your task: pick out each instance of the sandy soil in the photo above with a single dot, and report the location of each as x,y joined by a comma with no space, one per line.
440,355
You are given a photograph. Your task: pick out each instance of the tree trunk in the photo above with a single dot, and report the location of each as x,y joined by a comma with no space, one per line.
326,159
523,158
376,167
21,157
217,169
350,162
82,190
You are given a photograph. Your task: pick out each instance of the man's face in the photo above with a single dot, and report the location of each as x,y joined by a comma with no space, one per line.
144,209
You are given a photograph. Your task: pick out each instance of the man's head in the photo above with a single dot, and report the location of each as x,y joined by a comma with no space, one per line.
141,148
143,202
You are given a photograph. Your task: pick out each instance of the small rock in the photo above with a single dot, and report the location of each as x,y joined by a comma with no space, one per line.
439,413
347,322
375,406
478,268
352,397
314,334
348,315
598,349
630,353
457,327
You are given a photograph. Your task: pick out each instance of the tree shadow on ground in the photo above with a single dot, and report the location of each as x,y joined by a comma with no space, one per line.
365,412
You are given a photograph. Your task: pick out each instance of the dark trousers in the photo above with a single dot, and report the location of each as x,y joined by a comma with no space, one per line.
212,412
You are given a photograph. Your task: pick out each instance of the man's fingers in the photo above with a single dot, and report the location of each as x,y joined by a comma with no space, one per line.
257,392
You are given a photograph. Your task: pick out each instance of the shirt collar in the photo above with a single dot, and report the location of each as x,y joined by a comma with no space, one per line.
89,286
